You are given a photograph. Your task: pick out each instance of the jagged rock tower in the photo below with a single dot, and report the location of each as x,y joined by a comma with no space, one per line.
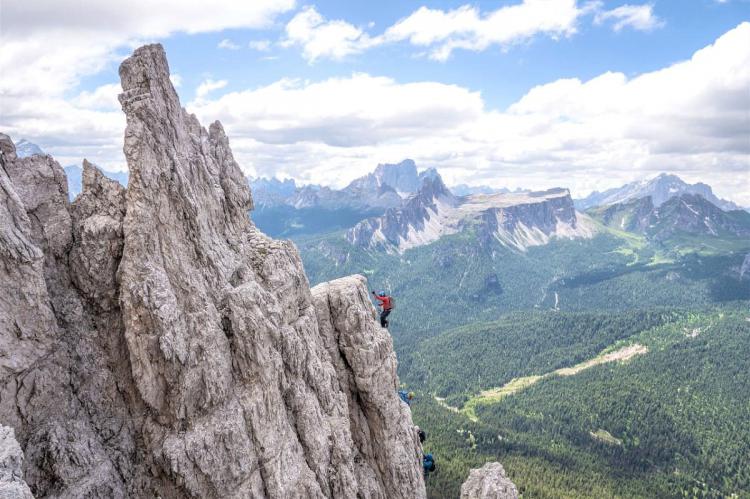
154,343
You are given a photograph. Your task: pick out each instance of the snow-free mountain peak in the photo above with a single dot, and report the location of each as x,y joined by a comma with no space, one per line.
660,188
401,176
687,213
24,149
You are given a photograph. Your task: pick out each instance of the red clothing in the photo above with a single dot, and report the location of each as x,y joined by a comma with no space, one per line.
385,301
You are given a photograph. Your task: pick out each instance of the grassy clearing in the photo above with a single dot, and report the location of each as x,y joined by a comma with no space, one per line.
494,395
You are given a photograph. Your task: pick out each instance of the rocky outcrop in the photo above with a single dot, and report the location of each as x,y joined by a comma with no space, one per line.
154,343
488,482
362,353
12,485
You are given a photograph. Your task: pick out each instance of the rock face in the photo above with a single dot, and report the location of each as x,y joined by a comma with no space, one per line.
12,485
154,343
75,179
399,178
488,482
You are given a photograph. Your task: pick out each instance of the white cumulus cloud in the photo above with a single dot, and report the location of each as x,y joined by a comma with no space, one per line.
638,17
469,29
207,86
48,46
440,31
228,44
260,45
322,38
689,118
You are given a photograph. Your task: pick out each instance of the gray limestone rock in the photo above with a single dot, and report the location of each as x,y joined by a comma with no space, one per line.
154,343
12,485
488,482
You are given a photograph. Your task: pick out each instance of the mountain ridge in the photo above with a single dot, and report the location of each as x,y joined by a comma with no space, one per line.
661,188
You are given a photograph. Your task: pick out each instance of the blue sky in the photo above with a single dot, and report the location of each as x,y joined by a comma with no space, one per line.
530,93
502,76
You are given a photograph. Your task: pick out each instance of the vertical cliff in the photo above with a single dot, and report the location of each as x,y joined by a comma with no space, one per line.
154,342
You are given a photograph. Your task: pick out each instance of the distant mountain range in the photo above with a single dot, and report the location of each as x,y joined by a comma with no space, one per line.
683,214
467,190
24,149
516,220
660,189
386,187
398,207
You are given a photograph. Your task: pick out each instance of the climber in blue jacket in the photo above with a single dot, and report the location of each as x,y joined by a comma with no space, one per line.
428,463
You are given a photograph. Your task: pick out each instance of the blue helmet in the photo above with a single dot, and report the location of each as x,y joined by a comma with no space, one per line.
381,293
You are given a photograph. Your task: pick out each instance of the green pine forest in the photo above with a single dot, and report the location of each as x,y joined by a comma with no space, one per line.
609,367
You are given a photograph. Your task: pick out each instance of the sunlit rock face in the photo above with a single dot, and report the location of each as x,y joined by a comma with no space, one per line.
153,342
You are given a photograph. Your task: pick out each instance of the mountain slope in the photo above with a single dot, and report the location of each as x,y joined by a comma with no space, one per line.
422,219
660,189
686,214
671,421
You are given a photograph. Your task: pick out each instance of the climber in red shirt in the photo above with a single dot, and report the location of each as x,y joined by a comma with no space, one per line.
386,303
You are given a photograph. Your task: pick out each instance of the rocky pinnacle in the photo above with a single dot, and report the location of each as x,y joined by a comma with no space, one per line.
153,342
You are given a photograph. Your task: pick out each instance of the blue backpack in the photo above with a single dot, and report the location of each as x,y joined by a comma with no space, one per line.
428,463
404,396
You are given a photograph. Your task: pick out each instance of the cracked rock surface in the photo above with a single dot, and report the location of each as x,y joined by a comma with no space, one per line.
153,342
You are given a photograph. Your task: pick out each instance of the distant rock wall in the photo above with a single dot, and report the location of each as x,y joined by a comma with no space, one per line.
154,343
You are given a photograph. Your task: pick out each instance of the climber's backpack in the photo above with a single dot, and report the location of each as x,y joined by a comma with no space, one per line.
393,302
